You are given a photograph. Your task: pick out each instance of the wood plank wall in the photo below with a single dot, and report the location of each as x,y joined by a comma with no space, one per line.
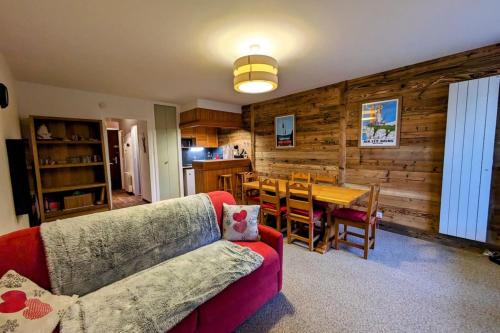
232,137
327,126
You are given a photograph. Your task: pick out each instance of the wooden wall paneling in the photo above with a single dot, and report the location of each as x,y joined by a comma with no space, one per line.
342,145
231,137
252,133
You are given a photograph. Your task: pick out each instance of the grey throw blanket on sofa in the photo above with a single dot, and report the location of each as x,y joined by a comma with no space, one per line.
156,299
89,252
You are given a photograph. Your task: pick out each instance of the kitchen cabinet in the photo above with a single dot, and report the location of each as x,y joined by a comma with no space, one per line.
187,133
204,136
207,172
199,117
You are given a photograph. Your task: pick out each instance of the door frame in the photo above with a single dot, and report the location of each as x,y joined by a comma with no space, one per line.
119,156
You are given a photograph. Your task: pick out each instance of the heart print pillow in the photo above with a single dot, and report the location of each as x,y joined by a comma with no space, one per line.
25,307
239,222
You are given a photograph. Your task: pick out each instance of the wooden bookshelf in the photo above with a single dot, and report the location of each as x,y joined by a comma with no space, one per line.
61,142
70,162
70,165
65,213
72,187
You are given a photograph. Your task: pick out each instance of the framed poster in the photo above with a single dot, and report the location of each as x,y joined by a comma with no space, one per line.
284,131
380,124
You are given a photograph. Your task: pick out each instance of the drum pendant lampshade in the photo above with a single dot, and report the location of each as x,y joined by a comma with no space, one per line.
254,74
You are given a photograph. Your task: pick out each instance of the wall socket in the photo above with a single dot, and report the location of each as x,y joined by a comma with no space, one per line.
380,214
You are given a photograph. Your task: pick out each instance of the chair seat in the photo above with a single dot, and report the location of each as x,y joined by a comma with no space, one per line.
273,207
349,214
253,198
317,213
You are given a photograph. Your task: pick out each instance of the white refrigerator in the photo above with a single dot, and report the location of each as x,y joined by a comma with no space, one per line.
189,185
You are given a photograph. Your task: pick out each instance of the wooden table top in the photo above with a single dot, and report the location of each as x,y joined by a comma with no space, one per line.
324,193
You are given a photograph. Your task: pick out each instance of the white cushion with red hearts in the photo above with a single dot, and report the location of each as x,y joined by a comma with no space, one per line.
239,222
25,307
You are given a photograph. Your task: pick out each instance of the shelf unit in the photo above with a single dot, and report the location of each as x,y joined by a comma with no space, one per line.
57,173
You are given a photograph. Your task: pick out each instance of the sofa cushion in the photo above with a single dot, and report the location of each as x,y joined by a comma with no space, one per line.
240,222
187,325
22,251
218,198
246,295
88,252
158,298
25,307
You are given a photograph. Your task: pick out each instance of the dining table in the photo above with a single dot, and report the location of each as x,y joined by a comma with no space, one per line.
334,195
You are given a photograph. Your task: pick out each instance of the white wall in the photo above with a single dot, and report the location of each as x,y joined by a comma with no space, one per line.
9,129
38,99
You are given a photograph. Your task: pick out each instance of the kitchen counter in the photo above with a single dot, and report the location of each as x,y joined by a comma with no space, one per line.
207,172
217,164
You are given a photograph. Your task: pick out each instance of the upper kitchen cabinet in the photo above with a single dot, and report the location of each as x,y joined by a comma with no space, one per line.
206,137
188,133
203,136
199,117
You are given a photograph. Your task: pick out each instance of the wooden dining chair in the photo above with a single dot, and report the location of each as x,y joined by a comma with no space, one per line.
301,177
270,202
250,195
325,179
366,221
300,210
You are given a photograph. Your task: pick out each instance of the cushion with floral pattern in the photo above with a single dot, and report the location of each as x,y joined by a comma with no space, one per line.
25,307
240,222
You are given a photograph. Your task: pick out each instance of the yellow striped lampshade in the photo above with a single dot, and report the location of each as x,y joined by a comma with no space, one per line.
254,74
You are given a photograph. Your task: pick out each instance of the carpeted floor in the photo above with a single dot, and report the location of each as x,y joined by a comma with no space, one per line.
407,285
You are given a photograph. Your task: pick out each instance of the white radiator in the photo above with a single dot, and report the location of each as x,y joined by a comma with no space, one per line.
468,158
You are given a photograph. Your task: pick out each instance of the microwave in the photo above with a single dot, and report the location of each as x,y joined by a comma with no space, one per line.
188,142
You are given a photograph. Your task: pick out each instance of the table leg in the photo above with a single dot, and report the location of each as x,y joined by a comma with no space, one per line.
325,244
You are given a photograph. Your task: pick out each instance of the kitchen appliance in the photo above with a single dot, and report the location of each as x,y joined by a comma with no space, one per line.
188,142
189,182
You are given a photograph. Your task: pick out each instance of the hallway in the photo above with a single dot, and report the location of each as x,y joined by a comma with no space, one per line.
122,199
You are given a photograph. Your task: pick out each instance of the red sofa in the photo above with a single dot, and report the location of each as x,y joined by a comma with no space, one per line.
23,252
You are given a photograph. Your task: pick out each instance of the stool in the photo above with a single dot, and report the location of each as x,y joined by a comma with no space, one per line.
226,183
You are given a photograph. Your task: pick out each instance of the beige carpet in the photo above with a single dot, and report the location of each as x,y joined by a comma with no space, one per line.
407,285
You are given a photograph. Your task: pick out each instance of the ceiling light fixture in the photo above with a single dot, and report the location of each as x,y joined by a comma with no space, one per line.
255,74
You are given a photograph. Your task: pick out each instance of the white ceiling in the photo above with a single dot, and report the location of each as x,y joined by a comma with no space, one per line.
177,51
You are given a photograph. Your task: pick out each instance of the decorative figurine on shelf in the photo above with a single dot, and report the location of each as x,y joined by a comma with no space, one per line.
43,133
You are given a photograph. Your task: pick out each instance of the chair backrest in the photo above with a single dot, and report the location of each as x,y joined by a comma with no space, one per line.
373,202
325,179
250,176
301,177
270,194
299,199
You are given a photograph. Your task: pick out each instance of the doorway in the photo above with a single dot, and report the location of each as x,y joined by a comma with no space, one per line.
114,159
128,162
